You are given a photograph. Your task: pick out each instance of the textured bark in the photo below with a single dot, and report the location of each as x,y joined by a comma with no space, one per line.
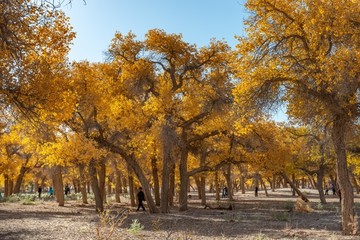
184,177
155,174
118,183
20,178
99,206
172,185
319,185
227,174
202,177
102,179
58,185
349,218
131,187
83,183
217,186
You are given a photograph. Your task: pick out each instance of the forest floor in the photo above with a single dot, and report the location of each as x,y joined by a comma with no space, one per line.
257,218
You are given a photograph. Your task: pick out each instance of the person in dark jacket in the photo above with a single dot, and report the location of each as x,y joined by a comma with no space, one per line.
141,198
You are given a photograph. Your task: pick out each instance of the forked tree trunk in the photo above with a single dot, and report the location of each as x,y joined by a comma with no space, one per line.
349,218
155,174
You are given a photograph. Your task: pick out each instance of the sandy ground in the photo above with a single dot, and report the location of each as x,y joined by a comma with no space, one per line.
252,218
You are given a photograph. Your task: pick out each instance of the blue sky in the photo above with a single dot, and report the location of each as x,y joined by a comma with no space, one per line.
197,20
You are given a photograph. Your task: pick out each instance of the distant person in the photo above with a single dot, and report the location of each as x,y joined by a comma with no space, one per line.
141,198
256,191
326,190
333,189
67,190
51,191
224,192
39,191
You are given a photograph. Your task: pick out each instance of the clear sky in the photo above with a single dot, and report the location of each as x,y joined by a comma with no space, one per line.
197,20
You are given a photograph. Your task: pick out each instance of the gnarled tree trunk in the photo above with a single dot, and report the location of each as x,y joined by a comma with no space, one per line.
349,219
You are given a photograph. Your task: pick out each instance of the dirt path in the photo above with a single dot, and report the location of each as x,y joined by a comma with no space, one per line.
252,218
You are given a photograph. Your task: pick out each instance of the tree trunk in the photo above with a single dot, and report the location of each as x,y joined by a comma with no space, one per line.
349,218
102,179
319,184
19,179
184,177
242,184
286,179
109,181
294,183
202,177
165,180
217,186
198,185
99,205
117,182
82,183
58,185
155,174
131,187
125,185
264,186
273,185
172,186
227,174
6,190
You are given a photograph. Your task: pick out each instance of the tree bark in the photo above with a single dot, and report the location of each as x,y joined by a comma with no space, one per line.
349,218
217,186
20,178
102,179
58,185
7,189
95,186
82,183
117,182
155,174
172,185
202,177
184,177
131,188
319,184
227,174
